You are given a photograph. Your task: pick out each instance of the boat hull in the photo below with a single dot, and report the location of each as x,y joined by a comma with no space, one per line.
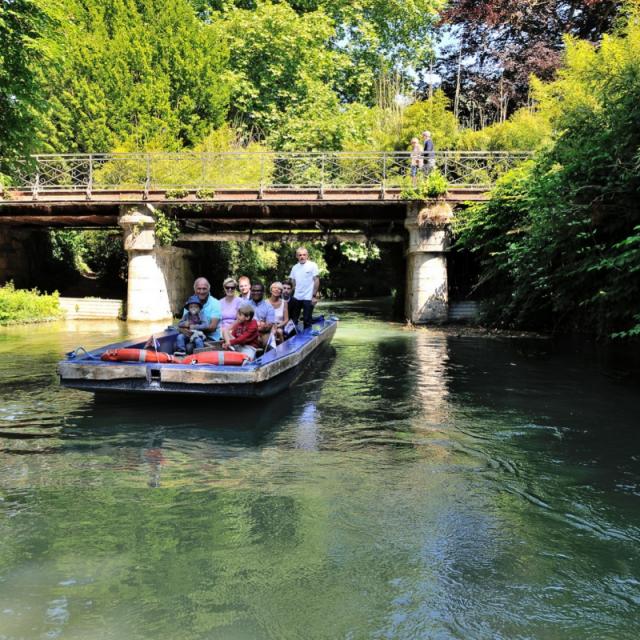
267,376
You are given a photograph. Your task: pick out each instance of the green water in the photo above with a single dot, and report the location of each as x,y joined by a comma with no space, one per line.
414,484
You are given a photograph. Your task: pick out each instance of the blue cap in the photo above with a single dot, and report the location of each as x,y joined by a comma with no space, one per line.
192,300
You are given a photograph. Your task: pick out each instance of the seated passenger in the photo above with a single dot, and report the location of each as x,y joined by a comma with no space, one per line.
243,336
244,287
210,308
280,309
191,329
264,312
287,289
229,304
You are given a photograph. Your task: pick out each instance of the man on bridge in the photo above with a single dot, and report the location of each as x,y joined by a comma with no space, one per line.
429,153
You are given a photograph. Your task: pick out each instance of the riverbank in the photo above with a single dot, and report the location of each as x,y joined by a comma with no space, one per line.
21,306
471,330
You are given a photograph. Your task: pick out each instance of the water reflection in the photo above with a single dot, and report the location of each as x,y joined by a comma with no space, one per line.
411,485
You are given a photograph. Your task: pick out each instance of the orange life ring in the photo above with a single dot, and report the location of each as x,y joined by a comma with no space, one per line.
136,355
227,358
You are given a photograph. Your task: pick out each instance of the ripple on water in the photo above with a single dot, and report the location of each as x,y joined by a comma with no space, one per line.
414,484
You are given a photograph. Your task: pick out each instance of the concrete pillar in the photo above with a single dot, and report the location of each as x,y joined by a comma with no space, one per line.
156,278
175,263
427,298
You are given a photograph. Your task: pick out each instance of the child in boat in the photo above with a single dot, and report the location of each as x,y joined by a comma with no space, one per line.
243,336
191,329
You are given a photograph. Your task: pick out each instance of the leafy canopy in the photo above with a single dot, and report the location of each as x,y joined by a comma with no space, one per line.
560,240
138,73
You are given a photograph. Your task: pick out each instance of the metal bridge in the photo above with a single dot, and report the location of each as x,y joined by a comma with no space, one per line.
269,196
203,176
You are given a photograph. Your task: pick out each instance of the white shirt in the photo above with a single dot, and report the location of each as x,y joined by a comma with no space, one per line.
304,274
278,311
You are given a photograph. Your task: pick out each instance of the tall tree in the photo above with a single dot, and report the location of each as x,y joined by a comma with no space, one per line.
559,241
23,25
135,73
498,44
375,35
280,64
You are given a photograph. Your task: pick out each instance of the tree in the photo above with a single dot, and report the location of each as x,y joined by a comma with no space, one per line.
560,239
280,64
119,79
433,114
23,26
499,44
374,35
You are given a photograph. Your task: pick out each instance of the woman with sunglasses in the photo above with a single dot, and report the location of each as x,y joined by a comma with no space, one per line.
230,303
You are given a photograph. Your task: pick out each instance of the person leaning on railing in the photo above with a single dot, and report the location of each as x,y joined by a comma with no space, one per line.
417,159
429,153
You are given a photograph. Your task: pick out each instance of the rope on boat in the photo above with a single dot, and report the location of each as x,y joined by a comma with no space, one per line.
74,354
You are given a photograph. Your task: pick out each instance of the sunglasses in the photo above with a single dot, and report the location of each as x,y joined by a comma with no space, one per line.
231,288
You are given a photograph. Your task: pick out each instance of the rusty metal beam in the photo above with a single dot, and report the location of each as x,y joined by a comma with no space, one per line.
283,236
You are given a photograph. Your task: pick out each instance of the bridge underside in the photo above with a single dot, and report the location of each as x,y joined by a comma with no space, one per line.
357,215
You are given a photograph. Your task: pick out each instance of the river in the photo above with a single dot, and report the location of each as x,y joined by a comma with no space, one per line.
413,484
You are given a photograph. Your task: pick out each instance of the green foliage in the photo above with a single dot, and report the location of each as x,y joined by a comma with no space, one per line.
167,228
368,36
323,124
176,194
395,31
137,74
96,254
205,194
280,62
433,115
435,185
525,130
24,25
236,170
360,253
559,240
223,164
20,305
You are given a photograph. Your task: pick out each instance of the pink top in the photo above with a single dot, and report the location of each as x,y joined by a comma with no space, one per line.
229,311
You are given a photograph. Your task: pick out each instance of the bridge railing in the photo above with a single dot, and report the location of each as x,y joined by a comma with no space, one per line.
250,171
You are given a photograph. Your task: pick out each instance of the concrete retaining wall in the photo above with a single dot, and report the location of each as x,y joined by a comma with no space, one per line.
91,308
465,311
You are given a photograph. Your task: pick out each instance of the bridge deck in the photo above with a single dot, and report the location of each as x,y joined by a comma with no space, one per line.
101,208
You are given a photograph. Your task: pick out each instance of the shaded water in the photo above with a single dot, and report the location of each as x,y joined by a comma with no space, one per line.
413,485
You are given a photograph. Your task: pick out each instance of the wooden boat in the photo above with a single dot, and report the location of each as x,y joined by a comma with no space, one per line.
267,375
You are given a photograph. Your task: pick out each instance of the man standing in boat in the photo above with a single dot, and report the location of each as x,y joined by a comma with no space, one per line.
306,283
211,311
